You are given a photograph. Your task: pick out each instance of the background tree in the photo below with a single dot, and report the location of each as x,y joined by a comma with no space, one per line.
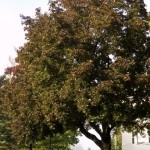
27,124
23,112
6,139
58,141
87,66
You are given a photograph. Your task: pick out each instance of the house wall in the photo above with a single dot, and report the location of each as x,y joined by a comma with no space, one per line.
128,145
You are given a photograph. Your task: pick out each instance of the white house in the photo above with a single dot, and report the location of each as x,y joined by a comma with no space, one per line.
129,142
137,142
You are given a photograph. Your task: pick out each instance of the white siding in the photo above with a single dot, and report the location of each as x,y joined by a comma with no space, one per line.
128,145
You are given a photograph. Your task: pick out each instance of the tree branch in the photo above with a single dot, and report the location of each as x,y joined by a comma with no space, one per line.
96,128
106,128
91,136
112,126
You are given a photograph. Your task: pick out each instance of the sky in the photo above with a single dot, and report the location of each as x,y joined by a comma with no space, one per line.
11,30
12,36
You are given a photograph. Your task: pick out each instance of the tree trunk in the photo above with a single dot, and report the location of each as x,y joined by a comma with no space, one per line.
106,146
105,142
105,137
30,147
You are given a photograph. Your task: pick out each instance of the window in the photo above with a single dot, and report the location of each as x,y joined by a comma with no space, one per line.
141,138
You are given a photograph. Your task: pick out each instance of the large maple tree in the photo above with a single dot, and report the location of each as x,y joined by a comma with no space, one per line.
87,65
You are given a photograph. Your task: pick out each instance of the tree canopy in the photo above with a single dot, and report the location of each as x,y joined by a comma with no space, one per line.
86,64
